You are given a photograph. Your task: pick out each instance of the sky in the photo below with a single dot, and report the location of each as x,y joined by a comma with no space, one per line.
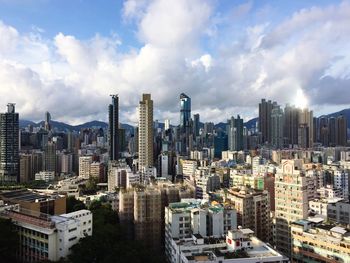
68,56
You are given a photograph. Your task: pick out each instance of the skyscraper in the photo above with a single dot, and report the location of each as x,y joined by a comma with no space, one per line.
196,124
342,130
145,131
305,119
265,108
113,128
235,134
47,121
50,157
291,122
185,110
9,145
277,127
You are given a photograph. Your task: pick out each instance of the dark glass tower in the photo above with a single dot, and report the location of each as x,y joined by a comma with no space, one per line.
9,145
113,128
185,110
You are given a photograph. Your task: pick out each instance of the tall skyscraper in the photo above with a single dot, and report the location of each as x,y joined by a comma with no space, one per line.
9,145
265,108
342,130
145,131
305,119
291,122
185,110
196,124
113,128
277,127
324,131
47,121
332,126
235,134
50,157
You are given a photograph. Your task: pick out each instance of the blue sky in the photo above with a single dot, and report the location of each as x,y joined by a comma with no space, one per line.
224,54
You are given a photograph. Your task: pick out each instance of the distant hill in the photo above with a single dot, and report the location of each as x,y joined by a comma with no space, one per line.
64,126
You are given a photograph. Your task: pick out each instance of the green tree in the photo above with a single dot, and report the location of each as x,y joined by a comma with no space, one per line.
73,204
9,241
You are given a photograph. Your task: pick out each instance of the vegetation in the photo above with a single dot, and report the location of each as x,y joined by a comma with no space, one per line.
91,187
72,204
9,241
109,242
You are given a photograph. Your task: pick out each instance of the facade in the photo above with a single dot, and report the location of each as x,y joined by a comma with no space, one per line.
145,134
44,237
318,242
50,157
9,145
25,171
291,201
46,176
264,125
113,128
339,212
277,127
253,210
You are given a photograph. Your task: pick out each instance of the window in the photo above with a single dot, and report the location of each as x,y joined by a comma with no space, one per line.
72,238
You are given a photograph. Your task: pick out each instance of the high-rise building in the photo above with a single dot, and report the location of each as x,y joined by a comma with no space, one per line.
277,127
145,133
291,201
9,145
303,136
342,131
50,158
324,131
253,210
332,127
196,124
84,166
113,128
47,121
25,173
235,134
167,124
185,110
305,119
291,124
265,109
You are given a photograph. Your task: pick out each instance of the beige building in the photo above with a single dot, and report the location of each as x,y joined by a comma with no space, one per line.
25,168
253,210
314,241
291,201
84,166
145,133
97,170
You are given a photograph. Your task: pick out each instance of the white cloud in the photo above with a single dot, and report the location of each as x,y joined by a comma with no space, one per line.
72,78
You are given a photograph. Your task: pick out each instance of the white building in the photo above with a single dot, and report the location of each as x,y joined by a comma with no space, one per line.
44,237
46,176
238,246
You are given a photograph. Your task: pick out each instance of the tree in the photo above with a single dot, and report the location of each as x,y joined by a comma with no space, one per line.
108,242
73,204
9,241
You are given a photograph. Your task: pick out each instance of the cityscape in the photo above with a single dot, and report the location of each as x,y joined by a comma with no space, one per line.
175,173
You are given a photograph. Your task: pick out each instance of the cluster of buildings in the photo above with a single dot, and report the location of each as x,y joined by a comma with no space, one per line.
277,191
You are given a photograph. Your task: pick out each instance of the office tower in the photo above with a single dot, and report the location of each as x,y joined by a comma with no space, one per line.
145,132
84,166
196,124
185,110
253,210
70,141
9,145
47,121
324,131
277,127
67,163
113,128
185,122
342,131
291,124
50,158
316,129
291,201
332,128
166,124
235,134
305,119
265,109
220,144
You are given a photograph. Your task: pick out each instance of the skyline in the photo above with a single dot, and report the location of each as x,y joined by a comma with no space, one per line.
229,53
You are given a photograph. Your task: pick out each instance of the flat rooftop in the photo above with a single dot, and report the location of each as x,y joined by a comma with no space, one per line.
25,196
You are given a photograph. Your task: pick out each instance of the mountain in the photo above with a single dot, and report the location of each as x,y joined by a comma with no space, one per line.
61,126
249,124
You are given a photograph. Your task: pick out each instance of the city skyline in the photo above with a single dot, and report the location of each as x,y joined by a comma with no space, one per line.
230,57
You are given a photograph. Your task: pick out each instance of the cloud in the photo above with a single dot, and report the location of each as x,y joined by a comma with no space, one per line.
73,78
